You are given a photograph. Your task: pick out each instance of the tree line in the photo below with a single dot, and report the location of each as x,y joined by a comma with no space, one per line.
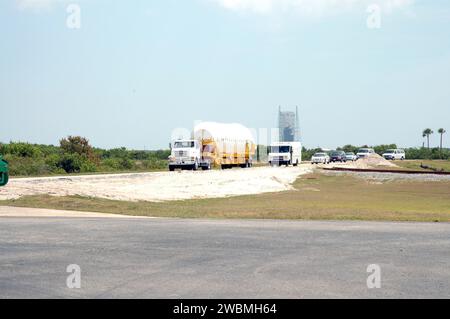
74,154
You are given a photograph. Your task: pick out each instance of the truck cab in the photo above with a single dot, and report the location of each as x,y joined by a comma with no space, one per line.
187,154
285,153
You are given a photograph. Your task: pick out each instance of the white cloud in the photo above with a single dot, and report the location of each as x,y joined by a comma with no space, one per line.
310,7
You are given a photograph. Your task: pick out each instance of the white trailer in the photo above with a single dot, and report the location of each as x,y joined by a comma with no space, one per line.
285,153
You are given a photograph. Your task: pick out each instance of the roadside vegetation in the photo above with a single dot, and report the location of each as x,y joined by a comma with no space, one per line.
76,155
316,197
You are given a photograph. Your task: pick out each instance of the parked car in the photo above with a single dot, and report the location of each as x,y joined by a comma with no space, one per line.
394,154
350,156
364,152
338,156
322,158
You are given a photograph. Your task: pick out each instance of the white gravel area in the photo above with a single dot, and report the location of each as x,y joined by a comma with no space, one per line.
160,186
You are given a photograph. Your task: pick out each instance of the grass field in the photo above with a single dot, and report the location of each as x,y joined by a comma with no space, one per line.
415,164
316,197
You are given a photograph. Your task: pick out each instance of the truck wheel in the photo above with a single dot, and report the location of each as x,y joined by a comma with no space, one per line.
296,163
171,168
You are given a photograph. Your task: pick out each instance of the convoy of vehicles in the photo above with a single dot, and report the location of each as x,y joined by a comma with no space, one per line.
320,158
232,145
4,172
285,153
214,144
394,154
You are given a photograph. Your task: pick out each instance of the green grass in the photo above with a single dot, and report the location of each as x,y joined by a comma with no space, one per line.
316,197
415,164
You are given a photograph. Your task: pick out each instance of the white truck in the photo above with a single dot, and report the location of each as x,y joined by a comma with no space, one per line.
187,154
285,153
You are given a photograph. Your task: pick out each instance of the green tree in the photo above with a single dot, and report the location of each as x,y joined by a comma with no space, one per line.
78,145
426,133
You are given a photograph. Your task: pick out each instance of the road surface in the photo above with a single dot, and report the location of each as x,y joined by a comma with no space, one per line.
175,258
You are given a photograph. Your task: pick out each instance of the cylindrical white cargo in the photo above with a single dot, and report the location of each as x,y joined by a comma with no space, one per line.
230,140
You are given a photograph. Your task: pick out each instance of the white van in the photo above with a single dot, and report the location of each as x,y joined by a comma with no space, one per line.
285,153
394,154
365,152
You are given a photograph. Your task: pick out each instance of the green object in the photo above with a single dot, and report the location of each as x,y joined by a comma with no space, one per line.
4,172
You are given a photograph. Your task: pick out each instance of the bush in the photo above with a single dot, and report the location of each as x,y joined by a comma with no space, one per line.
27,166
110,164
78,145
21,149
75,163
425,153
126,164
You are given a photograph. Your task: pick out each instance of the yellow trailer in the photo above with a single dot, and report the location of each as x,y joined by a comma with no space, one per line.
225,145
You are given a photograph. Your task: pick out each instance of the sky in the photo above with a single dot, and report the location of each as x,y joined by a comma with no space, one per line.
134,71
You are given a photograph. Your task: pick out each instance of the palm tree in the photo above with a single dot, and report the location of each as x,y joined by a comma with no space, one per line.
427,132
442,132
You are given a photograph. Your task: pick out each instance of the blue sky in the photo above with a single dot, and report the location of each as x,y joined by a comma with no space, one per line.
136,70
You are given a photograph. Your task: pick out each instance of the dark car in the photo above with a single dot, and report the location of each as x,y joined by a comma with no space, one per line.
338,156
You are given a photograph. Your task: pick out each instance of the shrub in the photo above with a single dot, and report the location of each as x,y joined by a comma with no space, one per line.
21,149
75,163
78,145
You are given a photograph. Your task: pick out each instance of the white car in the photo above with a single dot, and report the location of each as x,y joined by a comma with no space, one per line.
320,158
365,152
394,154
350,156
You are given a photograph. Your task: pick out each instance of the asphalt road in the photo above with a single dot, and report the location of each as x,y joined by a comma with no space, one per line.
172,258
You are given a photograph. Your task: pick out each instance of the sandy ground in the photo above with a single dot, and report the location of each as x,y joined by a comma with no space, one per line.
161,186
373,161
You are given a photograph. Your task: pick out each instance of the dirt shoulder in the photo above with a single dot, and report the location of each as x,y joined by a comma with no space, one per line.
160,186
314,196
